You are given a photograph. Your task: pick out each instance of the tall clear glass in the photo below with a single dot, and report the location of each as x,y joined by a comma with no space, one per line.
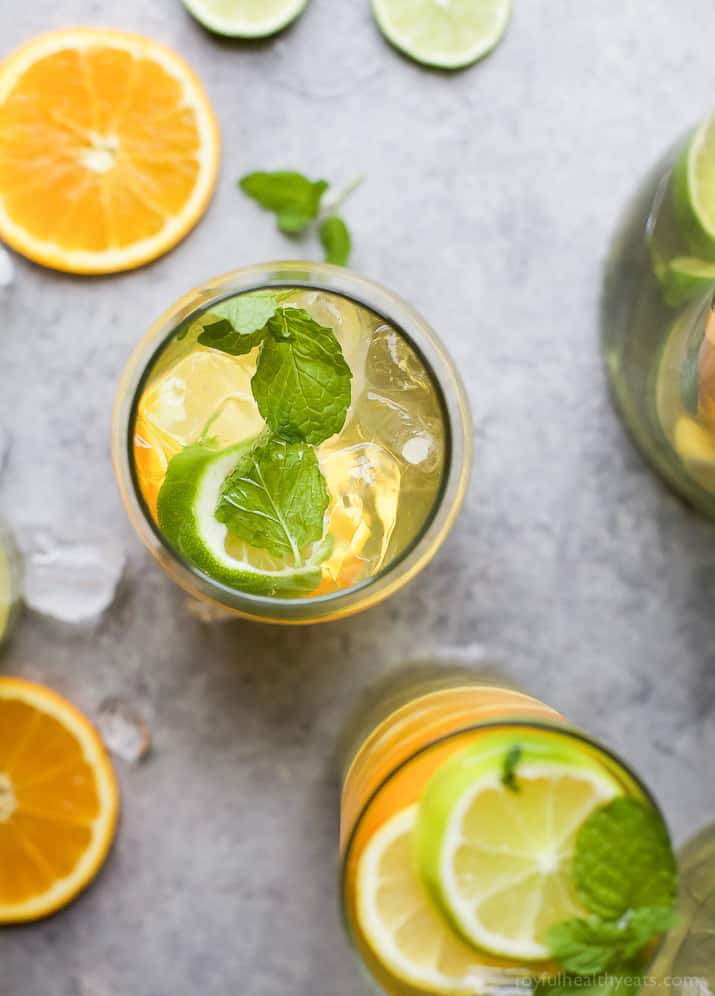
408,326
659,331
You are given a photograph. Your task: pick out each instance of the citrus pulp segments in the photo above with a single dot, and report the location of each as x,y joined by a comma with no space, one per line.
64,791
408,935
147,182
498,861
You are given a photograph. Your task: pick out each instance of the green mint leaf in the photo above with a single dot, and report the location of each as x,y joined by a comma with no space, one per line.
335,240
276,500
302,383
293,198
511,762
589,947
238,325
623,860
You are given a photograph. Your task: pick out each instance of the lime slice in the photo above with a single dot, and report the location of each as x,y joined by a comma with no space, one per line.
497,859
686,277
245,18
411,938
449,34
694,190
186,509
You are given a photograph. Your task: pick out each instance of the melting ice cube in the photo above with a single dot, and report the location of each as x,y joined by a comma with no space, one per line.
124,730
67,580
364,484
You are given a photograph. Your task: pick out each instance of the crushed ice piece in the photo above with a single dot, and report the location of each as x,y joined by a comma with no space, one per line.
208,612
124,731
7,269
70,581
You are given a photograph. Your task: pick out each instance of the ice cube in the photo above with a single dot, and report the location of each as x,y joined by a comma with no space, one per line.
414,437
364,484
68,580
394,368
204,394
124,730
7,269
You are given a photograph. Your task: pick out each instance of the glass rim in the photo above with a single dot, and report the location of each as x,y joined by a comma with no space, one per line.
432,354
513,722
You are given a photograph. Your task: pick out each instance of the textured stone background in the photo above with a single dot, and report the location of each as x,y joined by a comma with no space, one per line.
490,199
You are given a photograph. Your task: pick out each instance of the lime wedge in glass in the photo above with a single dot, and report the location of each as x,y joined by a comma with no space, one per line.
447,34
694,190
186,509
245,18
495,854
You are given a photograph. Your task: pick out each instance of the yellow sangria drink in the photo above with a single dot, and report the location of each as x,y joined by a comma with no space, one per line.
298,442
488,847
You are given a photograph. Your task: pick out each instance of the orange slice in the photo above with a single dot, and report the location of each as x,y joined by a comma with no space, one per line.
59,802
109,150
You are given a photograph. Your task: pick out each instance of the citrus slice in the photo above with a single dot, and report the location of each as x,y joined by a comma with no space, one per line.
448,34
186,510
408,935
109,150
59,802
497,860
245,18
694,190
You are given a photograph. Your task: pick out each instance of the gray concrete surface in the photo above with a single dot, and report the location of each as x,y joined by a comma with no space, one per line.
490,199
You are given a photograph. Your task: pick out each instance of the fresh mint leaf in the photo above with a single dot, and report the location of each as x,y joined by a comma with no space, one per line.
276,499
589,947
511,761
237,326
623,860
292,197
302,383
335,240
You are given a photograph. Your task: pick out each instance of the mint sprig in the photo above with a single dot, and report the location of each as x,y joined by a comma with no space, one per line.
292,197
625,874
302,384
238,325
296,202
335,240
276,499
589,947
623,860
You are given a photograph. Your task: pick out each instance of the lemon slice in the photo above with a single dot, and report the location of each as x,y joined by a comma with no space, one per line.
695,443
497,859
448,34
245,18
186,508
411,938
